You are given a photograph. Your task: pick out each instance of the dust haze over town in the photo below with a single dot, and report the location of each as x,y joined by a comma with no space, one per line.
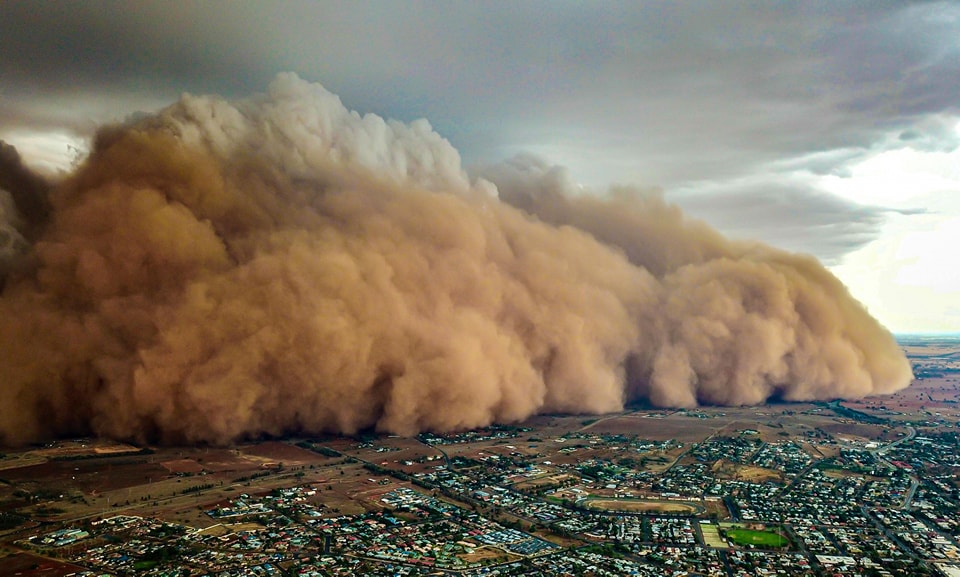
532,289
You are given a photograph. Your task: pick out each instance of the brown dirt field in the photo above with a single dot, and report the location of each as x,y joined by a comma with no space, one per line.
278,452
351,493
84,447
342,444
182,466
940,390
756,474
476,450
726,470
927,392
820,451
27,565
842,474
854,429
401,450
546,480
131,488
640,506
222,460
675,426
558,539
115,449
567,458
716,506
190,509
87,475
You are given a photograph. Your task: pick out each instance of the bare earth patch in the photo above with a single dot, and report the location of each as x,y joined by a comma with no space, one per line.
643,506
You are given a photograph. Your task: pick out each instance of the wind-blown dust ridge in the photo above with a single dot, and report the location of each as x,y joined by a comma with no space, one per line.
225,270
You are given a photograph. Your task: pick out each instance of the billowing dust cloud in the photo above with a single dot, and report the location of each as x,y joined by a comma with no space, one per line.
223,270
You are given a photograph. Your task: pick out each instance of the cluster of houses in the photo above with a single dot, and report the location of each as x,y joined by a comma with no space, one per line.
887,510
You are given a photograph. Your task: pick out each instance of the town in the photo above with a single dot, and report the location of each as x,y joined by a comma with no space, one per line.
829,488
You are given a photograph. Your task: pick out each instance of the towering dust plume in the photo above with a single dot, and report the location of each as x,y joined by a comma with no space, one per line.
223,270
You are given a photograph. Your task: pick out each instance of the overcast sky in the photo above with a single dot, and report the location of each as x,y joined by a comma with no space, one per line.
824,127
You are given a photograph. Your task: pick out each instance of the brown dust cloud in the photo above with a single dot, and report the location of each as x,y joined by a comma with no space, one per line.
226,270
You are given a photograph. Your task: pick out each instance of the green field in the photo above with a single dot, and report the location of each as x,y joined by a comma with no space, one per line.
757,538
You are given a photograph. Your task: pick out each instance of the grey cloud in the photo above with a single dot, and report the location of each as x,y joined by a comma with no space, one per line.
732,85
669,94
827,162
787,213
791,215
937,133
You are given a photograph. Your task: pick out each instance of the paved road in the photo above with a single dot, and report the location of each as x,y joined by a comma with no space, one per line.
914,483
911,433
446,457
880,452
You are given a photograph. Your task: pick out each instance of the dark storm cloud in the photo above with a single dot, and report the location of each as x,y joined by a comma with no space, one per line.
27,190
51,46
908,60
798,216
749,73
654,93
